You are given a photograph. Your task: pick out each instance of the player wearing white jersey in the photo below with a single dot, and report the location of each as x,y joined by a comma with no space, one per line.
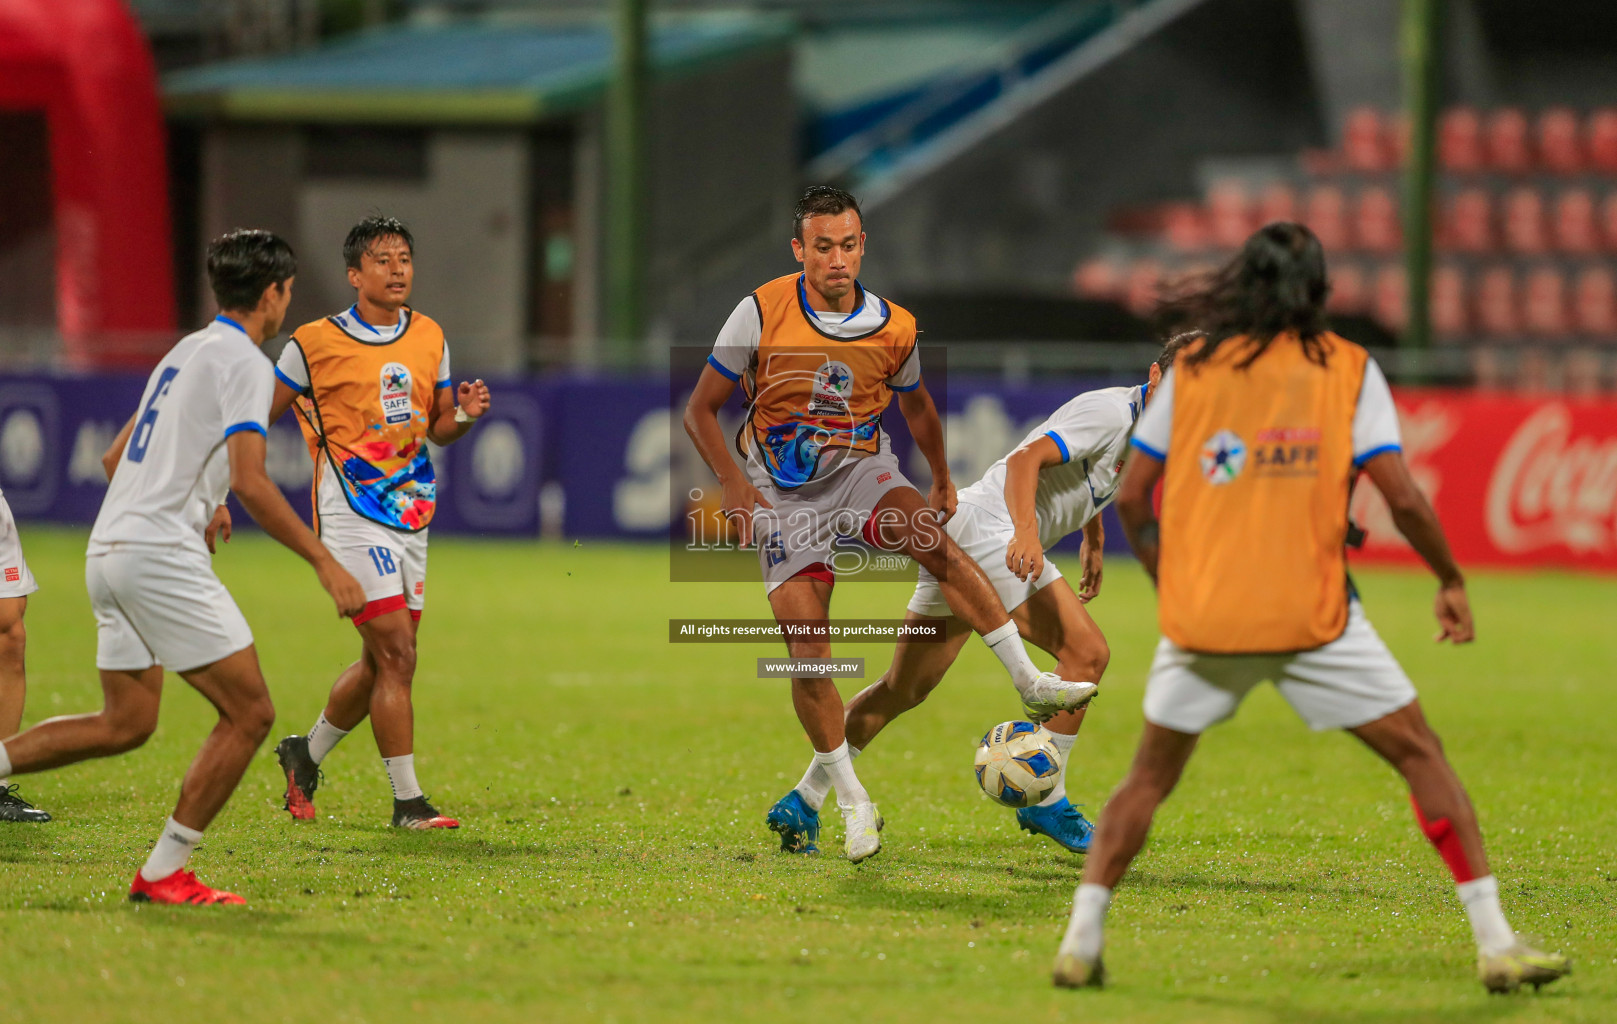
199,431
16,583
1055,483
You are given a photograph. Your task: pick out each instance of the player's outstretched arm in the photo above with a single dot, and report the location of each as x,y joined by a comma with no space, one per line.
1025,555
927,429
738,497
1416,520
454,412
1091,557
265,503
109,461
1140,478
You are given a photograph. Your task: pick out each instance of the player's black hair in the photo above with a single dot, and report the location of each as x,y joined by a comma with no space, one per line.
1173,346
1274,286
371,230
244,262
820,200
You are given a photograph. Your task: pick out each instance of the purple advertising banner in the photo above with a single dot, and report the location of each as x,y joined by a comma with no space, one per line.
568,455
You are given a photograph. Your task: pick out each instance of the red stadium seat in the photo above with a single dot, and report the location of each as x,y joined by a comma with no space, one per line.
1278,202
1524,222
1142,287
1390,303
1397,139
1375,221
1185,226
1594,305
1508,146
1468,227
1575,229
1347,289
1326,215
1608,221
1097,279
1496,302
1364,141
1602,137
1450,317
1230,213
1459,140
1544,312
1560,141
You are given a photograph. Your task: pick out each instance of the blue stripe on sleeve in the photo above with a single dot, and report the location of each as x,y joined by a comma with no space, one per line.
289,382
1359,460
714,362
904,387
1052,435
446,382
1159,456
246,425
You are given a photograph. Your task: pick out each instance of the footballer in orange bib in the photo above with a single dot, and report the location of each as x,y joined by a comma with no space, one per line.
371,387
1258,434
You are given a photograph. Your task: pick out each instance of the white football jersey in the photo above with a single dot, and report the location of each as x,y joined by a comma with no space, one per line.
1092,432
175,469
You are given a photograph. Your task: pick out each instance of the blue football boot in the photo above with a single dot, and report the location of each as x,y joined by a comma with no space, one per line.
1060,821
796,822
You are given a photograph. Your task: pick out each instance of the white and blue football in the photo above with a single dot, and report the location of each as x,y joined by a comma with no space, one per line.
1017,763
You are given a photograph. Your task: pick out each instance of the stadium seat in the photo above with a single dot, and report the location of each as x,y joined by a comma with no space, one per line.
1594,306
1575,229
1326,216
1544,312
1468,227
1230,213
1277,202
1496,302
1560,142
1602,136
1459,140
1375,221
1524,222
1141,290
1184,226
1390,302
1450,317
1364,141
1397,136
1347,288
1508,146
1097,279
1608,221
1583,373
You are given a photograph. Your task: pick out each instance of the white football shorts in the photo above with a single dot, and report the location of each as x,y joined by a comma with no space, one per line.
984,537
161,605
1351,681
804,526
389,564
15,579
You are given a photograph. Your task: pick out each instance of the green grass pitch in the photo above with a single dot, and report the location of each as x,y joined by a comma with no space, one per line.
613,863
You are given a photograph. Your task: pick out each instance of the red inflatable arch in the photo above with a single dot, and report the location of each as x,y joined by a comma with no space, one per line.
85,65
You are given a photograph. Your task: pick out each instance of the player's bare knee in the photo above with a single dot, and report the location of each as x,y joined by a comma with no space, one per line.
1085,664
257,718
395,659
13,637
124,731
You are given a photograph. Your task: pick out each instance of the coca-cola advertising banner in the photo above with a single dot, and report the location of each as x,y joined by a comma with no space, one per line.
1517,481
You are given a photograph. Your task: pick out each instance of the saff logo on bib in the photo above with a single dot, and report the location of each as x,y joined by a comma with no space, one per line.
396,393
833,383
1223,457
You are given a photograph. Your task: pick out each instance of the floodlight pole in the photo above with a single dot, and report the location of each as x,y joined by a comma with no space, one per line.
624,316
1421,39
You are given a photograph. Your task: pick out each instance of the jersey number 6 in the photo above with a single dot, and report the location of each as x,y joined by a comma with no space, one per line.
148,418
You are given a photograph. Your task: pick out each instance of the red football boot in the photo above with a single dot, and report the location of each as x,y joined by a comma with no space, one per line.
181,888
302,776
418,814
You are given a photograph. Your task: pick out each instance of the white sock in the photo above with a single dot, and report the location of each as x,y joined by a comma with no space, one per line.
1063,744
838,765
1481,899
173,849
816,783
322,737
5,764
1086,931
401,772
1006,643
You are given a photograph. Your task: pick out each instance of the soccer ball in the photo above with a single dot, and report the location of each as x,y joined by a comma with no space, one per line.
1018,764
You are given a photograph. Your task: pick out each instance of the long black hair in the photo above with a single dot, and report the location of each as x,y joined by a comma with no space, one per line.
1274,286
